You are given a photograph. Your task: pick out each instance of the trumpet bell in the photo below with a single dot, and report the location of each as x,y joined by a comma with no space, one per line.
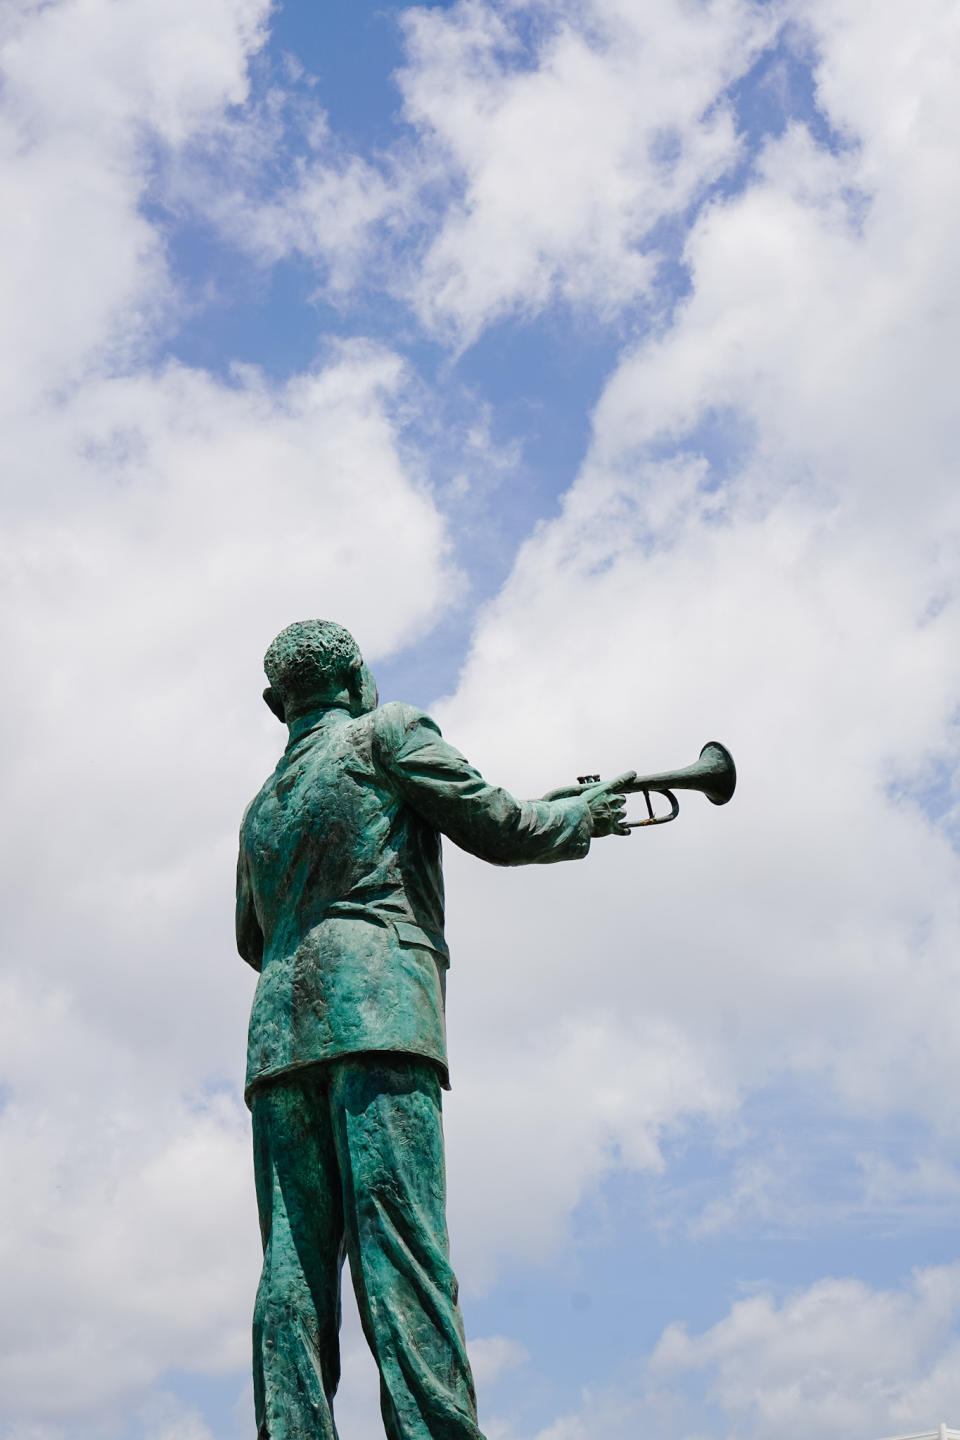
714,774
716,765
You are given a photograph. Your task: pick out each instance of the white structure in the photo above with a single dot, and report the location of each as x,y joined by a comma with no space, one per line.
942,1433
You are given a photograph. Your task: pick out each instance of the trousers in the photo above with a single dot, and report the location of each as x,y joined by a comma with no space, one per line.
348,1157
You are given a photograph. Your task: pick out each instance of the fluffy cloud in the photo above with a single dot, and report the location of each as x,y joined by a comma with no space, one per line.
201,517
572,130
90,88
551,141
838,1358
344,213
761,547
160,525
535,1054
137,1250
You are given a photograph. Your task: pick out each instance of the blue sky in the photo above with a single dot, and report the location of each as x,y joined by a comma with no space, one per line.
593,362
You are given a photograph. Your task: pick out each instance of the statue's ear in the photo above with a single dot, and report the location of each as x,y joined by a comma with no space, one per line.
362,688
275,703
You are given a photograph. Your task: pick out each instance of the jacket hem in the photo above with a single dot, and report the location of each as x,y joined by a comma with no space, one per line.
267,1077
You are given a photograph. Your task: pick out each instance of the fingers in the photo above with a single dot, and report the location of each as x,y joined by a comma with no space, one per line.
607,810
621,780
618,815
617,818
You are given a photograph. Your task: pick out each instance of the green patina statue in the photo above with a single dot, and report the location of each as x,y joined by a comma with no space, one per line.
340,909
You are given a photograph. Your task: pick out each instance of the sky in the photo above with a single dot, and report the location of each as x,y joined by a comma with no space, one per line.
594,362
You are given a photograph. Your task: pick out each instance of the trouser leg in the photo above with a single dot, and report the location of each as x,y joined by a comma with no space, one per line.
389,1138
296,1350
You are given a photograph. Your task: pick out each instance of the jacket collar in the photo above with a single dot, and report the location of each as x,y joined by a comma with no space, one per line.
314,719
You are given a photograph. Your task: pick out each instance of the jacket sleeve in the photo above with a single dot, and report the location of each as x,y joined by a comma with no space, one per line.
445,789
249,934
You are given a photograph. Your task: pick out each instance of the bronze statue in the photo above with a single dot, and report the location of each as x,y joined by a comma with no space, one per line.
340,908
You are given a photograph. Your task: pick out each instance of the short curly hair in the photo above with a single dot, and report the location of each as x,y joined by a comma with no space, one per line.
311,655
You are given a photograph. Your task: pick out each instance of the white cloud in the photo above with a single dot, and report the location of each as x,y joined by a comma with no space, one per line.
89,87
546,1100
796,602
340,210
199,518
137,1251
550,140
492,1356
161,524
801,608
30,1431
837,1359
568,154
166,1419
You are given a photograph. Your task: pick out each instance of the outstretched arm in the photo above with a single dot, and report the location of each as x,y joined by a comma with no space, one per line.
438,782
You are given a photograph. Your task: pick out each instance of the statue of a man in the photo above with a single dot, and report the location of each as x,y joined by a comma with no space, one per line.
340,908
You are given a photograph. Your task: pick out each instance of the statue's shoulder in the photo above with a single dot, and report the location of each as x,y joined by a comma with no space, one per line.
394,723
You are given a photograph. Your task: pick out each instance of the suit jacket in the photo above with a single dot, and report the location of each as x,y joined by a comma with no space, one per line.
340,889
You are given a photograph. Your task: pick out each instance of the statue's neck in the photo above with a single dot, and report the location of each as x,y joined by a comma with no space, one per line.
310,719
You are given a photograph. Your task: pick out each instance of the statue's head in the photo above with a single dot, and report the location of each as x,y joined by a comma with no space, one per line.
315,662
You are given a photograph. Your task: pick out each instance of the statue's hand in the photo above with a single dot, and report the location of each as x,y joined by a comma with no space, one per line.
607,807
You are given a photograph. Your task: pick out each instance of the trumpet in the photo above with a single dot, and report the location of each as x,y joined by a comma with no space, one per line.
714,774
